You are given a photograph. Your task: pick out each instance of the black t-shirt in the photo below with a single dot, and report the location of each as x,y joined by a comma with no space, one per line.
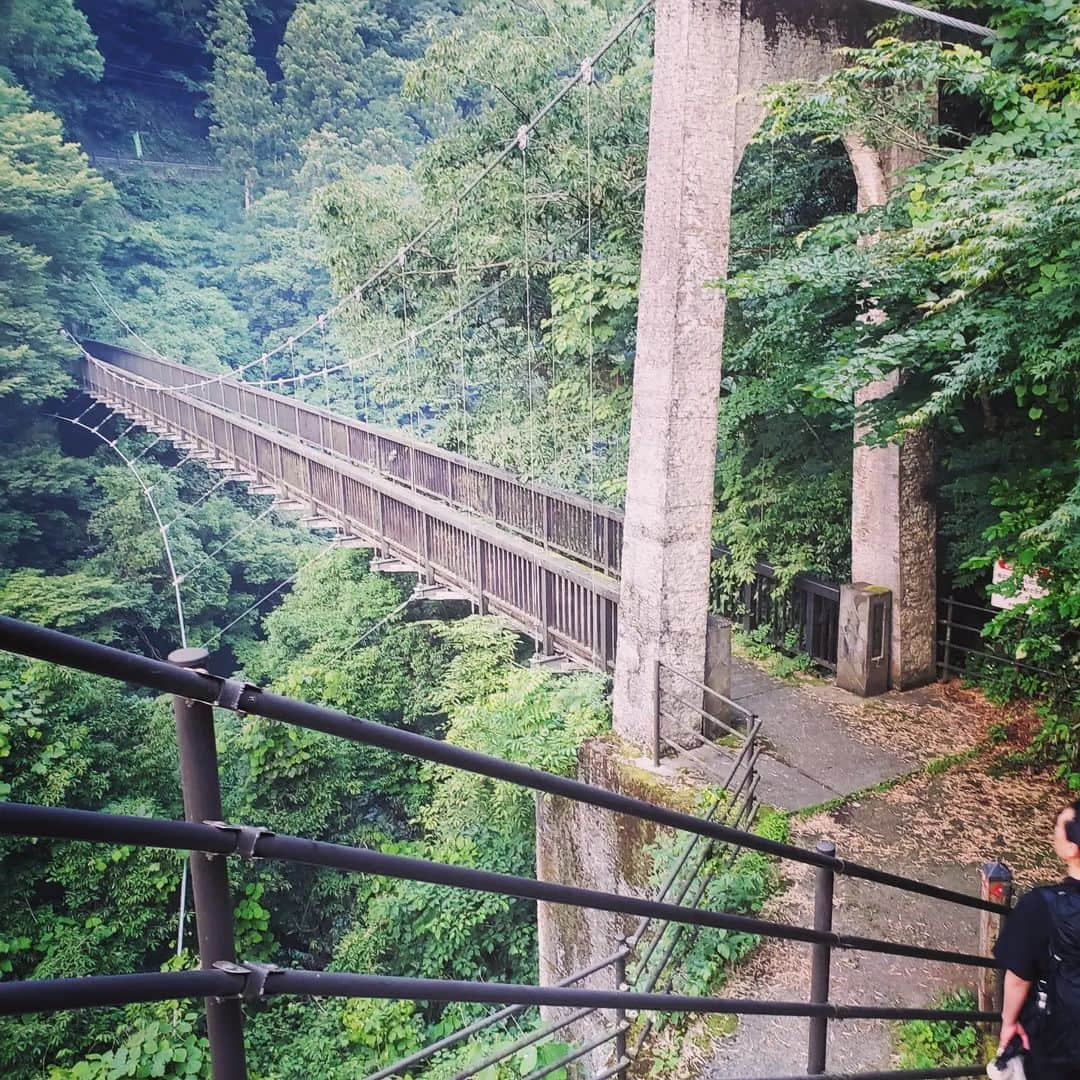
1024,944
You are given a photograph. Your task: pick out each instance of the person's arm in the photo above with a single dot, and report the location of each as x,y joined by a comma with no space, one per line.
1016,992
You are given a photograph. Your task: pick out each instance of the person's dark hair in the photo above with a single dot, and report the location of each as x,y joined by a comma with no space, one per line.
1072,828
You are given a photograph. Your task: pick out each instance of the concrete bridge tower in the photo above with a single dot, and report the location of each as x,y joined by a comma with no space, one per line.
711,57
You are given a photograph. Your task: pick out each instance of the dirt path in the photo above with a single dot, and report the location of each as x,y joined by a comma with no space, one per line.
961,803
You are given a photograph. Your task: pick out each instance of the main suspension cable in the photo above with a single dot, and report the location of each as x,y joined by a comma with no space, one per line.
461,352
175,580
120,319
386,267
530,351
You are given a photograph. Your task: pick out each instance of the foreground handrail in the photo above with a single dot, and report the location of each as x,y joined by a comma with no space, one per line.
255,981
223,982
69,651
63,823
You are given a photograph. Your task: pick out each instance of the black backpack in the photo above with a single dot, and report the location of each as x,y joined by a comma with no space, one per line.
1055,1025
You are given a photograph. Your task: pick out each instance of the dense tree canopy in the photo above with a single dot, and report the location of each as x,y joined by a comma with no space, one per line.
340,129
52,232
975,265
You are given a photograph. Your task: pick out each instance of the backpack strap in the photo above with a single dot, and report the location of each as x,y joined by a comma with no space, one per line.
1049,895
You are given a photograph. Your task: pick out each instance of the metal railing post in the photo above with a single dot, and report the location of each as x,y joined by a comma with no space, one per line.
209,873
620,1014
996,885
948,639
820,962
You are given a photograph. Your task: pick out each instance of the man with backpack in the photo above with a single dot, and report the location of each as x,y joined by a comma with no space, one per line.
1039,947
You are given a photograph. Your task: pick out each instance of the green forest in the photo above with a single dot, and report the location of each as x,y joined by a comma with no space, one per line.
204,179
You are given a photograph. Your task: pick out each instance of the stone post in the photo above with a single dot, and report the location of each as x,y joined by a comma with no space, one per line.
996,885
718,668
862,655
663,603
893,516
894,544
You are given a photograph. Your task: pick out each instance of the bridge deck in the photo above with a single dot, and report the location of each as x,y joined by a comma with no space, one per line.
558,522
565,606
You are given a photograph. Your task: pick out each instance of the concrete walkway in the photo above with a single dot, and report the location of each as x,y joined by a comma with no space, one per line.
814,750
813,754
936,825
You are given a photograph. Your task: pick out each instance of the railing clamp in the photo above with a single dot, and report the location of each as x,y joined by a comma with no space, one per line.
247,836
255,984
255,976
230,692
231,969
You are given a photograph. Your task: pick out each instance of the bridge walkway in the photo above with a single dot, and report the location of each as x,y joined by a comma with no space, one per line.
558,521
582,532
565,606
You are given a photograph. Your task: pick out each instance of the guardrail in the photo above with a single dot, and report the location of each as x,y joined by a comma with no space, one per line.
192,169
805,617
555,520
697,721
226,983
960,636
562,604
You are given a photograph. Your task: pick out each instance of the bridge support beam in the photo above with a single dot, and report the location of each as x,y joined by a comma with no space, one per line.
663,604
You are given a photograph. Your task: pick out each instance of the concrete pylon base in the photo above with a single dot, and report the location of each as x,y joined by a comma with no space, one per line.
894,541
862,652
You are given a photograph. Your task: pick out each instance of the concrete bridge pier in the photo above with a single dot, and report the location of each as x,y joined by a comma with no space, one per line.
710,58
893,511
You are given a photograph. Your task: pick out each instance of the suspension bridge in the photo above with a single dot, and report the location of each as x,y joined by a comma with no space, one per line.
624,593
546,560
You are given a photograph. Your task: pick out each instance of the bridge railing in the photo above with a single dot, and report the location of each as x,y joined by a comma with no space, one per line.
556,520
805,616
962,649
227,983
564,606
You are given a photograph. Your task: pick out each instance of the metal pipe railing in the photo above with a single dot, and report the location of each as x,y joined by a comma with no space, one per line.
255,981
74,652
23,819
746,811
688,849
201,786
896,1074
715,694
576,1053
224,982
529,1039
737,817
486,1022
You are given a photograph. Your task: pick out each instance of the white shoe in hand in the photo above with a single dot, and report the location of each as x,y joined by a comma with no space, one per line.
1011,1069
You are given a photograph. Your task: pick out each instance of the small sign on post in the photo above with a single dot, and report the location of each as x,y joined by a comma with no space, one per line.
1030,587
